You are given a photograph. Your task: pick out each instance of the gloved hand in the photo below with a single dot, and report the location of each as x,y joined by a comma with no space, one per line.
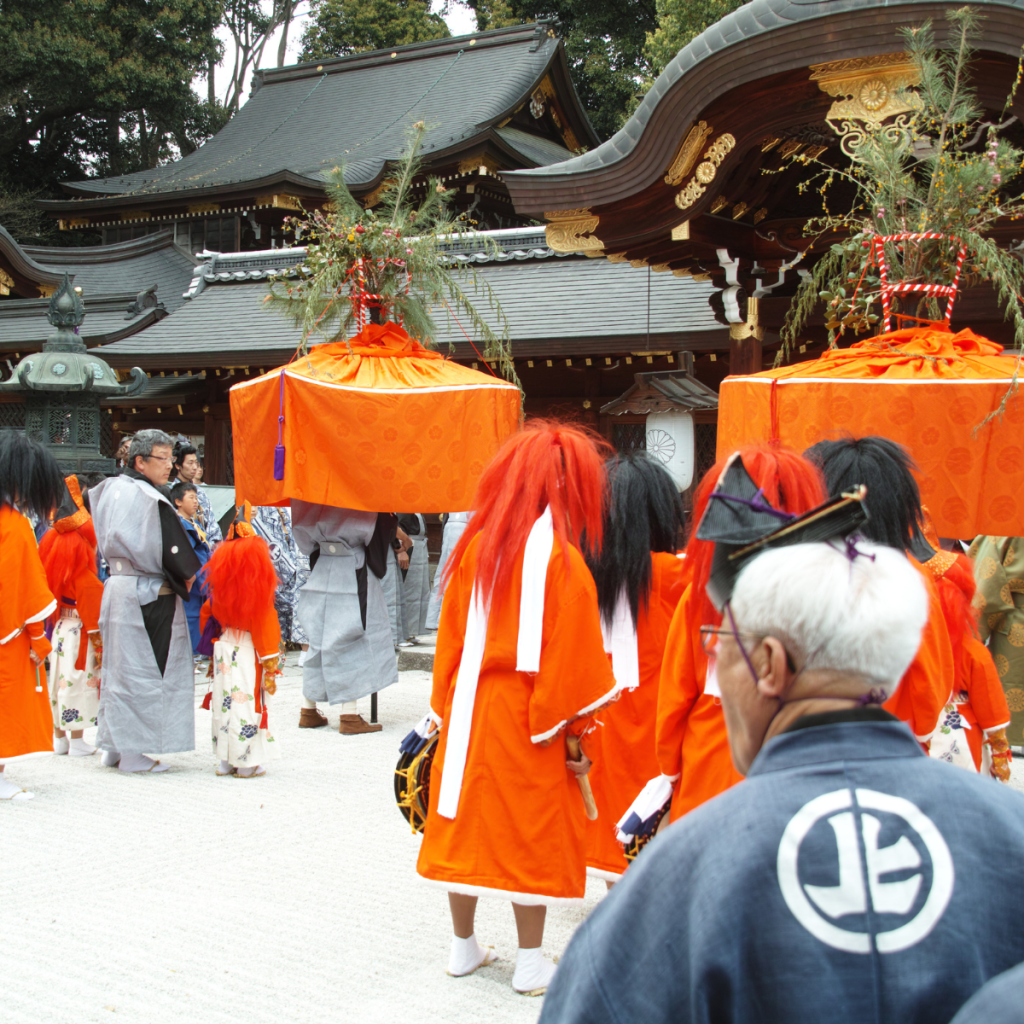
999,748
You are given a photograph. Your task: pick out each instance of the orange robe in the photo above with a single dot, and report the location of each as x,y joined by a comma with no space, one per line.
692,741
690,734
622,748
979,697
926,686
26,725
520,828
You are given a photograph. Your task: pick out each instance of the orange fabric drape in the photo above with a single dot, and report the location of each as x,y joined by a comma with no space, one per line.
926,388
378,422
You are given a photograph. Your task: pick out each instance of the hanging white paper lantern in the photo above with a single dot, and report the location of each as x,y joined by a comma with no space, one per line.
670,441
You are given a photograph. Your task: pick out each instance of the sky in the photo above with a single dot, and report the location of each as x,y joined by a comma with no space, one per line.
461,21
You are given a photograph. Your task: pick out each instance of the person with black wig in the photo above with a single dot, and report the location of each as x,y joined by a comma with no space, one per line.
639,583
896,520
29,482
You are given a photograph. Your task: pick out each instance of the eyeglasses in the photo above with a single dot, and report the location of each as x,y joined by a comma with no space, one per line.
709,636
160,458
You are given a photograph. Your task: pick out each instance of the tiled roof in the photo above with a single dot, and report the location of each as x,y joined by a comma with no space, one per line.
306,119
576,305
126,287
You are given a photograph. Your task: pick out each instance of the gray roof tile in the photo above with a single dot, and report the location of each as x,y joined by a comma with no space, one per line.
292,122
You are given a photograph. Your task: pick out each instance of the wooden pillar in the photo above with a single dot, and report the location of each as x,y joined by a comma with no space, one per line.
744,354
215,471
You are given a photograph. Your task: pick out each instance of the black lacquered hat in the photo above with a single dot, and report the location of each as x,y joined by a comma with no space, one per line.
742,523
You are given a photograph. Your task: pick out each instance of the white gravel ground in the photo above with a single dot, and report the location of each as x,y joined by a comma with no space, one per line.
185,897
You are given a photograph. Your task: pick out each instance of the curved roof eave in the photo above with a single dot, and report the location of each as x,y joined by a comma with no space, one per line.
24,265
762,37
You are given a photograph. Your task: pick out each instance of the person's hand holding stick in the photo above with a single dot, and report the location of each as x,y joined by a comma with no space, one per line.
579,764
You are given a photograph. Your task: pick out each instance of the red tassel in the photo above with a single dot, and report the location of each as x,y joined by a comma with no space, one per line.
263,720
207,700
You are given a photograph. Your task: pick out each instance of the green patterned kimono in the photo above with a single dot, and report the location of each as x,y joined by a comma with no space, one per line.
999,571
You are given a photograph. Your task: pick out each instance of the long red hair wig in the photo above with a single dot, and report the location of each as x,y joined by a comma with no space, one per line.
545,463
66,556
790,483
240,581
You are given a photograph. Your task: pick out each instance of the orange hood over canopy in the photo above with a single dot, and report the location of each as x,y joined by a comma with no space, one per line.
926,388
378,423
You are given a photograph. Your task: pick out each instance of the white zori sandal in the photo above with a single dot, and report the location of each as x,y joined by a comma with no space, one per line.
250,773
9,791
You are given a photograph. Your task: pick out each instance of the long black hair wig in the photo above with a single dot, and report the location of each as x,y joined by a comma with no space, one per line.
893,501
29,476
644,514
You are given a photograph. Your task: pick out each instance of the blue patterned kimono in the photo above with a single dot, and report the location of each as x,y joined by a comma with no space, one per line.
274,525
193,606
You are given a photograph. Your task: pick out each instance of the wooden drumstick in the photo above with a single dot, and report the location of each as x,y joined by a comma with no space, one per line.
573,745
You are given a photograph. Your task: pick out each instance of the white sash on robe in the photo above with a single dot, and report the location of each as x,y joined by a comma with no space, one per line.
536,556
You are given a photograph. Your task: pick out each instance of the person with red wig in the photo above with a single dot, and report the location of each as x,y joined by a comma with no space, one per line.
241,583
972,726
519,671
29,482
68,553
692,745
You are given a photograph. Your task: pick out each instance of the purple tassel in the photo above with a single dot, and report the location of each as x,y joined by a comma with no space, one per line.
210,634
279,450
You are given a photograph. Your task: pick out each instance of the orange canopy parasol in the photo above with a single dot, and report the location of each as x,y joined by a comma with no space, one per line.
926,388
378,423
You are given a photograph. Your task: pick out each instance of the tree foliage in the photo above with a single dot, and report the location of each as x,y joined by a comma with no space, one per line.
100,85
679,21
396,252
604,42
341,27
946,170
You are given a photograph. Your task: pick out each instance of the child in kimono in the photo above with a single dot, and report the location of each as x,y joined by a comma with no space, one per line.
241,582
68,554
186,502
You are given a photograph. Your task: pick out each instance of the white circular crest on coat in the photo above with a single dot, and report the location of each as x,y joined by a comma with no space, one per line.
174,549
331,548
816,907
117,566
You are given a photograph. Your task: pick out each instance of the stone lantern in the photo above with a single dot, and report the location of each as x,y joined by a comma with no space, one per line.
64,386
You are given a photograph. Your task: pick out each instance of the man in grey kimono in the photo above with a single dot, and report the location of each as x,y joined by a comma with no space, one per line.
342,608
397,563
454,527
147,701
416,587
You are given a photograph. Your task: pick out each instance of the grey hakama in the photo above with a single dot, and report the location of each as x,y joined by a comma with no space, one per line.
416,588
143,710
345,660
454,527
391,585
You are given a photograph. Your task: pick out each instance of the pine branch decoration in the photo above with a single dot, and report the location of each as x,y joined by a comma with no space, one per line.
399,248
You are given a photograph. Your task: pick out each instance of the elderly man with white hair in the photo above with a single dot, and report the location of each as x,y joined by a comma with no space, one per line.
850,877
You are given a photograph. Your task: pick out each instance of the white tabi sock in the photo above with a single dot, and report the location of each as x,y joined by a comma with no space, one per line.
533,972
110,758
307,703
466,956
141,763
350,707
302,658
79,748
225,768
60,744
